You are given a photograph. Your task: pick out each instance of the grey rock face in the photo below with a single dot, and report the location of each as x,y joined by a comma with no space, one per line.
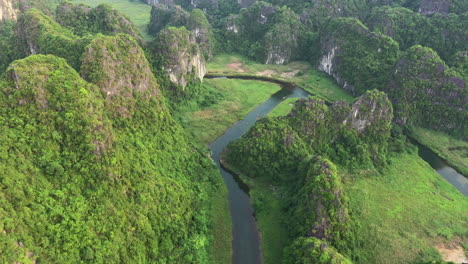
7,10
429,7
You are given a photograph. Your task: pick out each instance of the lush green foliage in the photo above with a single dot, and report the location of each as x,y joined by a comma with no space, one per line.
365,59
428,93
446,34
311,250
82,184
195,21
39,34
83,20
138,12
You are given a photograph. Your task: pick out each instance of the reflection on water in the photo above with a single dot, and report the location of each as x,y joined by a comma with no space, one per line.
451,175
246,238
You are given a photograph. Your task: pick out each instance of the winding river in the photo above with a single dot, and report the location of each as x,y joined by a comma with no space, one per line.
246,236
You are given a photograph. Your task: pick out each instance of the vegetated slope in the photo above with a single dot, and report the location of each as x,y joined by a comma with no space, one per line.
98,173
82,20
292,152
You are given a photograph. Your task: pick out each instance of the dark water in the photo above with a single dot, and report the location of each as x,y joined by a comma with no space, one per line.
246,239
451,175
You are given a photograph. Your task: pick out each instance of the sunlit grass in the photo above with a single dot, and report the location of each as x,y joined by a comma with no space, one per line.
240,97
455,151
138,12
300,73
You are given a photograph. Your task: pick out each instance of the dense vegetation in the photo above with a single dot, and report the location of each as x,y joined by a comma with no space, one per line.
355,137
94,167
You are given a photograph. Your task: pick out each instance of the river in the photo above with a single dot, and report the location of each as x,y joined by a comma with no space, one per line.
246,243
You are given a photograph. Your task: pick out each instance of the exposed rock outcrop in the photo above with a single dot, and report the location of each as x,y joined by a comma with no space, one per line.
354,56
118,66
195,21
429,7
7,10
184,61
426,92
83,19
39,34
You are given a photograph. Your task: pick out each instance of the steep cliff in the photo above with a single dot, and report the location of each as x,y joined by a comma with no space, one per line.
264,32
117,65
357,58
183,60
83,184
39,34
82,20
7,10
446,34
310,141
427,93
195,21
429,7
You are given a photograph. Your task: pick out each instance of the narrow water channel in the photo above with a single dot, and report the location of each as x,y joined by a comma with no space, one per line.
451,175
246,237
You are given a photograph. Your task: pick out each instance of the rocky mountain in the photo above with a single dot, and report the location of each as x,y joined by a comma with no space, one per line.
357,58
82,20
183,59
426,92
7,10
195,21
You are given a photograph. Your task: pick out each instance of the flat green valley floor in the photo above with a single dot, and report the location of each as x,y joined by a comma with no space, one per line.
137,11
300,73
240,97
453,150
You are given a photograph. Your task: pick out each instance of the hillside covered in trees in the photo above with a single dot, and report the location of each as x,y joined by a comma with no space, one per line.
99,164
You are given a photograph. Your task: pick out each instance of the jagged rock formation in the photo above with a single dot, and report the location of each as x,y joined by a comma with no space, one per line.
94,185
357,58
429,7
444,34
39,34
195,21
164,16
183,60
309,140
82,20
265,32
7,10
117,65
427,93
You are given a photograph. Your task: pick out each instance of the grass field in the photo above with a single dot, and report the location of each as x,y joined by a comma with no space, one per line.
138,12
418,213
405,213
221,250
300,73
240,97
454,151
283,108
267,203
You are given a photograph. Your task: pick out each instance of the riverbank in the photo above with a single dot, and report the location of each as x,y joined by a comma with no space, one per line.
299,73
266,200
453,151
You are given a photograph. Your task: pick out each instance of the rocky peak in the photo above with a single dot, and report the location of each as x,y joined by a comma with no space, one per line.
184,61
118,66
371,109
429,7
7,10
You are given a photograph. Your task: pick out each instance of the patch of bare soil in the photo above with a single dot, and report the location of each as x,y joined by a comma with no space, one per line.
236,66
289,74
268,73
453,252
